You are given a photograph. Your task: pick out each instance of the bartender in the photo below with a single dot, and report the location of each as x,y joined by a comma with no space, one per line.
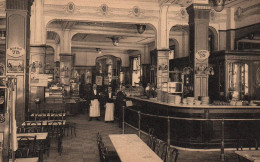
109,113
94,110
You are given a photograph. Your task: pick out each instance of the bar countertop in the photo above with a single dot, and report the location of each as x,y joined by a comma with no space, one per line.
209,106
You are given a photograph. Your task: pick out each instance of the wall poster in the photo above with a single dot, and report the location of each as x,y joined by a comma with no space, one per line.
15,66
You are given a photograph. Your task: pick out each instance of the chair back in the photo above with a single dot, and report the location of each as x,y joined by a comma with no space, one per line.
250,144
21,129
55,129
151,141
173,155
161,149
26,146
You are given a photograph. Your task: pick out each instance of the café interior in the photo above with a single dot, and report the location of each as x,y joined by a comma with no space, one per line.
129,80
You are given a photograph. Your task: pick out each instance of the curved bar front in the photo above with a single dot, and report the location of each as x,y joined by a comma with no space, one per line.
197,126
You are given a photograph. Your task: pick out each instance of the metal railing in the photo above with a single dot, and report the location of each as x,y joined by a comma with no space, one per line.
222,120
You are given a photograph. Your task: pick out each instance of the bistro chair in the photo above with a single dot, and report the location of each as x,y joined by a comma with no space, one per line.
70,126
26,147
21,129
104,154
161,149
151,141
173,155
249,144
56,131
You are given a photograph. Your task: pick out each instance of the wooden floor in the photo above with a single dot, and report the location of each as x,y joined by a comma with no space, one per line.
83,148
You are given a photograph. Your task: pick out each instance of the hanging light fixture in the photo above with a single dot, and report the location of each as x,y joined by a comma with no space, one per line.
218,5
115,40
99,51
140,28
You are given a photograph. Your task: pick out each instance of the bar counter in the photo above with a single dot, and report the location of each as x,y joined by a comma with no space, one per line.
194,126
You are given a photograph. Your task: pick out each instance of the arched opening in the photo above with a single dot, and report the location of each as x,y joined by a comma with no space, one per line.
90,41
212,40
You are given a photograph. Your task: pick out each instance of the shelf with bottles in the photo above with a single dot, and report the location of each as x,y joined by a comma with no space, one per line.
175,83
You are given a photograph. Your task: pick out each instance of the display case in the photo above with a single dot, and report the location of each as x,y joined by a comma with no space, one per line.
236,75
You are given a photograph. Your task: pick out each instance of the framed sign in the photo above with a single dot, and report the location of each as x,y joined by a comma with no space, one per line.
39,80
202,55
106,80
15,66
15,51
99,80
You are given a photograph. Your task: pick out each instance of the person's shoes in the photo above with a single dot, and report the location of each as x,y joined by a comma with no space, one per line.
105,121
97,119
89,119
112,121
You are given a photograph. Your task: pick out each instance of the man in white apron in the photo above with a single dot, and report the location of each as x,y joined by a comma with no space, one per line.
110,106
94,110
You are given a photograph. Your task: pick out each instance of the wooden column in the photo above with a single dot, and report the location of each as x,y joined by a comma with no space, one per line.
198,36
17,50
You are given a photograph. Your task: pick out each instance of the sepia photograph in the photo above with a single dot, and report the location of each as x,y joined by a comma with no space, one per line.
129,80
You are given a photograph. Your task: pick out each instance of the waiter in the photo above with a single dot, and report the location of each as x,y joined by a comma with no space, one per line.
120,102
109,113
94,110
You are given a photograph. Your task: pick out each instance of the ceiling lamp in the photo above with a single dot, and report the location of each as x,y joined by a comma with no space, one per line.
2,35
99,51
218,5
115,40
140,28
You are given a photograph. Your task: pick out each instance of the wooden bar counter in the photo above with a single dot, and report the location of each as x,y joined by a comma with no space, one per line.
197,126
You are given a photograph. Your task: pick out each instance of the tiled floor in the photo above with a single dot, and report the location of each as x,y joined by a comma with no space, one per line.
83,147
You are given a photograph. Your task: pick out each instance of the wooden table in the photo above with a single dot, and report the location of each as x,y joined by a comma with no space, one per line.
131,148
35,159
39,136
253,155
44,122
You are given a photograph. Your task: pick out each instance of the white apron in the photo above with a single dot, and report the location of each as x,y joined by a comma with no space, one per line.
109,115
129,103
94,110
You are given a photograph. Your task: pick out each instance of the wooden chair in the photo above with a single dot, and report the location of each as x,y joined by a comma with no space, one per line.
70,126
26,147
151,141
161,149
173,155
21,129
104,154
246,144
56,131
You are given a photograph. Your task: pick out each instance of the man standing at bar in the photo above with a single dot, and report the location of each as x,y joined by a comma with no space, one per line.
120,102
109,113
94,110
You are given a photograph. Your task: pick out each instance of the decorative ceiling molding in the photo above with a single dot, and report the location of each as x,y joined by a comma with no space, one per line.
242,13
136,11
92,12
181,3
104,10
71,8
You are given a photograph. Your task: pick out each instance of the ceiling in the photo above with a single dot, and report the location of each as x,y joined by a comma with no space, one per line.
94,35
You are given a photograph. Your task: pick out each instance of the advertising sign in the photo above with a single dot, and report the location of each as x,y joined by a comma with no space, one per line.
15,51
202,55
